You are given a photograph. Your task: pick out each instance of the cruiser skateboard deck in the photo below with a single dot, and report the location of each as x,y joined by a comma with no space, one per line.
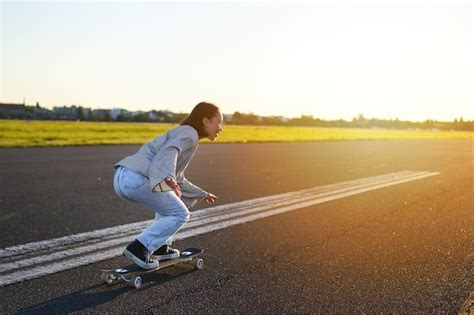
132,274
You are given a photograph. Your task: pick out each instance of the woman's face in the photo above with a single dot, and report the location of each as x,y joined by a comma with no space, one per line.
213,126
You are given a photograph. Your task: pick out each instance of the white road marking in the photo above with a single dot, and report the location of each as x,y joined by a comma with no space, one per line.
49,256
468,305
214,216
34,247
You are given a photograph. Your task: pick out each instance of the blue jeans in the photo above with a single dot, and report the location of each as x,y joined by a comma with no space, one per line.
170,212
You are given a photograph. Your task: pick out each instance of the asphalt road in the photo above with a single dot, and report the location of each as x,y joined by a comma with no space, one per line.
401,249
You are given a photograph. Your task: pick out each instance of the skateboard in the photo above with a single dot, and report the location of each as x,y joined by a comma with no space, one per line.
132,274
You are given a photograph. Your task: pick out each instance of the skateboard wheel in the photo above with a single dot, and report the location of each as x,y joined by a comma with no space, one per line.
107,277
199,264
136,281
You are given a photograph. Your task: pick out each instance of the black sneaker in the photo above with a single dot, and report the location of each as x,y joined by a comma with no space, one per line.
138,253
165,252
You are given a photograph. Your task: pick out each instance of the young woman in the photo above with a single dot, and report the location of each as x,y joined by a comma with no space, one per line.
154,177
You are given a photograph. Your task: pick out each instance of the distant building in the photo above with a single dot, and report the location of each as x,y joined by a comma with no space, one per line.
38,112
167,115
115,112
160,116
102,114
137,113
153,115
86,112
65,113
12,110
119,114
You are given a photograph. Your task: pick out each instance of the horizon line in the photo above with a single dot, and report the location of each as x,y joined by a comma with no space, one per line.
51,107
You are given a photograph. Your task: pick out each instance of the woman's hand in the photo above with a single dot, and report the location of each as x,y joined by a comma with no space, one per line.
170,181
210,198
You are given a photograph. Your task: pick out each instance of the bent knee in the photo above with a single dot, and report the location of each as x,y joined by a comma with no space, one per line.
184,217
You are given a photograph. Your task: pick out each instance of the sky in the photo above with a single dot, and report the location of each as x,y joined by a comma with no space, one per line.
333,60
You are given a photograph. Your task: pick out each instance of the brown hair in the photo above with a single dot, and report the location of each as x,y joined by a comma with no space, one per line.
198,113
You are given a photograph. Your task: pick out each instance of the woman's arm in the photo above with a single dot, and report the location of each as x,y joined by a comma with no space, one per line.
190,190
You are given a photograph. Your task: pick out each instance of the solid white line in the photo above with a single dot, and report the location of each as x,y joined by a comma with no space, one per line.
125,236
224,224
55,243
39,271
317,189
66,240
129,236
113,252
307,196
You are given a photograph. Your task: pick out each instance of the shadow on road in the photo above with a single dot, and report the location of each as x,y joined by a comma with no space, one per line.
90,298
76,301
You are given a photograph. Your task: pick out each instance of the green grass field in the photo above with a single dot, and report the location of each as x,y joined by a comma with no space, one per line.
21,133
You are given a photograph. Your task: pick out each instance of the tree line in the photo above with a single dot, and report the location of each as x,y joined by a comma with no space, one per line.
357,122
